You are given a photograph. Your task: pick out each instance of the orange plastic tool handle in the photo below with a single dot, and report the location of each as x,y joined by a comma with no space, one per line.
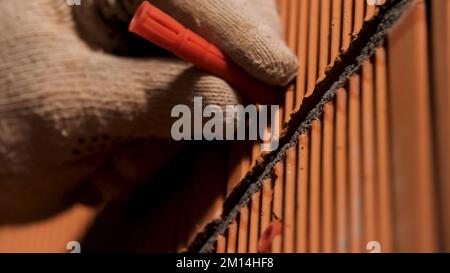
164,31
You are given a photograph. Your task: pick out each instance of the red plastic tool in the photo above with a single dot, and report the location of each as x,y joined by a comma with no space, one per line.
164,31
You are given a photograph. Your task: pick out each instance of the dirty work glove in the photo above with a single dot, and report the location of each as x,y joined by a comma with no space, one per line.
67,100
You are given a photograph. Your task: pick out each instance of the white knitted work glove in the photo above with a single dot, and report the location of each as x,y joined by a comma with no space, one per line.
67,99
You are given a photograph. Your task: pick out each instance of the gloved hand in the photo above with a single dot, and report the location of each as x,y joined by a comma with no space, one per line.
68,101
